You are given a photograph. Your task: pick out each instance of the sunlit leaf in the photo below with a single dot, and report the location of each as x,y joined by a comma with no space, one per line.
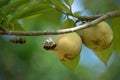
60,6
68,23
105,54
116,33
69,2
77,13
72,64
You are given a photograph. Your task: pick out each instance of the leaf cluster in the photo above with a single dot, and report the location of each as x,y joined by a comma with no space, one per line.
13,11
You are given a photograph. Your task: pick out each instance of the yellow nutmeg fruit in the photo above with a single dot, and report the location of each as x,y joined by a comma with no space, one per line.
68,46
98,37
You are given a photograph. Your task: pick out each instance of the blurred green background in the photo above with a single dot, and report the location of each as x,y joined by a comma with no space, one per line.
31,62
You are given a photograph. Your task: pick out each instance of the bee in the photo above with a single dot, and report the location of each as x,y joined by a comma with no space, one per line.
49,47
49,44
18,41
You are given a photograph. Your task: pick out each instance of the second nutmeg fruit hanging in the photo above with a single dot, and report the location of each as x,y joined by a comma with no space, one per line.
98,37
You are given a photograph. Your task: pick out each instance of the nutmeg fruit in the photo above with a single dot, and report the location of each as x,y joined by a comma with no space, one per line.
98,37
68,46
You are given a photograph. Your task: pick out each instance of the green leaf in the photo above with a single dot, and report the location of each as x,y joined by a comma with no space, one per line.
13,6
72,64
69,2
77,13
116,33
29,9
68,23
60,6
14,26
105,54
3,20
43,21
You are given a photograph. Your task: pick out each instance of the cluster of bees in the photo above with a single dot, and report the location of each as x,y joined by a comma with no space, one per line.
18,40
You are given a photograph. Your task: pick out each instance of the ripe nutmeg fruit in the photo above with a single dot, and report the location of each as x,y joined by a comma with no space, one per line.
98,37
68,46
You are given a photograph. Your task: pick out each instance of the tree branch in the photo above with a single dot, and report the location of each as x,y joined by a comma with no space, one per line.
108,15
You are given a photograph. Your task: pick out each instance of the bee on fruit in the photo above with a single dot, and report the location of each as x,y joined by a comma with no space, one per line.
49,44
67,46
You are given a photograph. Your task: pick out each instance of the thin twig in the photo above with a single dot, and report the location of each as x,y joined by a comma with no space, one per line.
108,15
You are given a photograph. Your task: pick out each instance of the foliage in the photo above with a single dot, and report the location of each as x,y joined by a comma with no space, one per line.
115,25
29,61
